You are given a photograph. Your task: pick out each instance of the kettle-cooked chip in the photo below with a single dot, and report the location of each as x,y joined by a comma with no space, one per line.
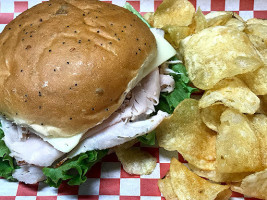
235,23
258,42
182,45
254,185
199,22
263,105
237,147
216,53
174,12
211,116
218,18
136,161
256,30
257,80
227,18
216,176
187,185
165,188
257,21
231,92
261,45
259,123
174,34
185,132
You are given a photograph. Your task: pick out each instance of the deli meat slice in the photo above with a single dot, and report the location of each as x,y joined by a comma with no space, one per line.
27,147
29,174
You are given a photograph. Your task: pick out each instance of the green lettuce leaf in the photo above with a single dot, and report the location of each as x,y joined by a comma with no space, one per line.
148,139
182,90
7,163
131,8
74,170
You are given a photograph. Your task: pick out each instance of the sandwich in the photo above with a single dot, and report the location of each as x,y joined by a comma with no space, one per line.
78,77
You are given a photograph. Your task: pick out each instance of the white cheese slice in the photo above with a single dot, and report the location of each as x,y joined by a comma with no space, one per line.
64,144
164,52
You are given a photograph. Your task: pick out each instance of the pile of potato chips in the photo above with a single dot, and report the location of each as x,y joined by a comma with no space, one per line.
223,135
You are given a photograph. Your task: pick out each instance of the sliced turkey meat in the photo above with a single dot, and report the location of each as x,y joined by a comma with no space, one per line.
143,99
28,147
29,174
118,134
139,103
166,83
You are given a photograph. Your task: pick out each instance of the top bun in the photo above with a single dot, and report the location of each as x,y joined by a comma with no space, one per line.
66,66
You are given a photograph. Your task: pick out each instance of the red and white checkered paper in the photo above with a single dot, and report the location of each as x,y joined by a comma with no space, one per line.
107,180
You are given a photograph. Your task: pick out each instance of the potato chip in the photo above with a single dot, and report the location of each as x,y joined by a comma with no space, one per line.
211,116
217,176
135,161
224,195
174,34
260,45
165,188
257,41
236,187
187,185
182,46
263,105
218,18
185,132
233,93
257,21
259,123
199,22
263,54
237,147
174,12
235,23
254,185
257,29
216,53
257,80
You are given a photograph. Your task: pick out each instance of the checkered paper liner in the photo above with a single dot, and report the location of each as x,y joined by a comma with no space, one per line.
107,180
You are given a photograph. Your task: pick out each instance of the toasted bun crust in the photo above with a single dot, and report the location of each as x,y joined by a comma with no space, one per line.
65,66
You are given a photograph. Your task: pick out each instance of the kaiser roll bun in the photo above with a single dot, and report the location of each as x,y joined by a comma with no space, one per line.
66,65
